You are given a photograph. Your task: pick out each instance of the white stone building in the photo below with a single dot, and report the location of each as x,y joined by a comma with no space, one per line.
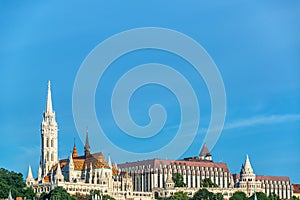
142,179
77,174
247,181
150,174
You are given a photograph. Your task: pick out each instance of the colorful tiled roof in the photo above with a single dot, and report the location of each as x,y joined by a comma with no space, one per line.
80,162
46,179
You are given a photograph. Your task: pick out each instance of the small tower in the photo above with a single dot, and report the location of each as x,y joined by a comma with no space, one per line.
29,179
169,182
9,195
49,136
58,175
71,168
39,174
74,153
248,178
87,148
205,154
109,161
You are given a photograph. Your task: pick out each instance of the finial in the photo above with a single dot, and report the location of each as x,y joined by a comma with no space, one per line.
49,99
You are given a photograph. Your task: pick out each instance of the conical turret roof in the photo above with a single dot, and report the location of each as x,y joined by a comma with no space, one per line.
204,151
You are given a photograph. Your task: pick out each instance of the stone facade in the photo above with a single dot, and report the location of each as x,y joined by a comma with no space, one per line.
142,179
77,174
249,182
150,174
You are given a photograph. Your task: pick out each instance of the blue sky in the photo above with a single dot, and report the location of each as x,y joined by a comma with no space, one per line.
255,45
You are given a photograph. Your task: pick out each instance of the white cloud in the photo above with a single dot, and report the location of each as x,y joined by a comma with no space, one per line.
259,120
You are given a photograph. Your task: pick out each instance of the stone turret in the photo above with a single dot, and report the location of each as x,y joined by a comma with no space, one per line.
29,178
71,168
205,154
58,176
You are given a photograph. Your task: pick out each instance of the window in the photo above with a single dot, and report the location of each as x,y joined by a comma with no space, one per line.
47,157
52,143
47,142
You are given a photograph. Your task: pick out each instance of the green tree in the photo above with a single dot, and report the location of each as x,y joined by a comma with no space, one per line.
162,198
218,196
13,181
43,196
59,193
273,196
180,196
203,194
238,196
29,193
260,196
295,198
178,180
207,182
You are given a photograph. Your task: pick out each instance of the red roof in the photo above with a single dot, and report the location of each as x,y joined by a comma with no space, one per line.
272,178
235,176
156,163
262,178
296,188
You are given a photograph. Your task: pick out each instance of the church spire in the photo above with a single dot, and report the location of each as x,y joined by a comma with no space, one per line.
29,178
49,133
49,100
87,148
74,153
109,161
9,195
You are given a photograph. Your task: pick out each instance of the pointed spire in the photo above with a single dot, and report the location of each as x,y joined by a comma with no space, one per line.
71,163
205,154
58,176
169,182
109,161
58,170
49,99
87,147
169,177
9,195
247,168
39,173
247,164
204,151
74,153
29,175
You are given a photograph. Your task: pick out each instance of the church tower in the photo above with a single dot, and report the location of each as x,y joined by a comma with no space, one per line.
49,134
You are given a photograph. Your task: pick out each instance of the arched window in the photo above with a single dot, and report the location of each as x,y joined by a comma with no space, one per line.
52,157
47,156
52,143
47,142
